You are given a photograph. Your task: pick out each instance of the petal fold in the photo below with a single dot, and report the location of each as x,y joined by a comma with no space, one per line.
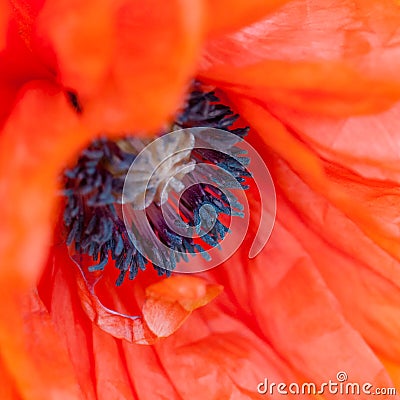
364,278
32,351
367,145
38,139
323,177
170,302
224,15
330,58
144,312
104,54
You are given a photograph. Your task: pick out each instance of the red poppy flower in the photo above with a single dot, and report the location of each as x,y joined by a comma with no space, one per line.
317,83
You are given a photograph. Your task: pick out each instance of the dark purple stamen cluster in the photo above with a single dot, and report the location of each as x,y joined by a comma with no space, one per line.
93,189
205,109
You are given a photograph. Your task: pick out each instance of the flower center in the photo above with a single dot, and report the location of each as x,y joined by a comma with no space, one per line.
159,168
169,180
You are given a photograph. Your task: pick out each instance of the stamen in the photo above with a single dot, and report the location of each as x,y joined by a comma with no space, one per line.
73,99
94,189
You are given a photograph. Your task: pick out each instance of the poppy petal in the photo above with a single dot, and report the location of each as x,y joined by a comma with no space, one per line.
8,389
367,145
221,357
314,59
330,206
346,259
32,351
122,82
70,322
152,382
224,15
297,310
300,316
24,57
394,371
29,166
4,14
292,324
165,304
179,294
169,302
209,343
115,384
273,134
